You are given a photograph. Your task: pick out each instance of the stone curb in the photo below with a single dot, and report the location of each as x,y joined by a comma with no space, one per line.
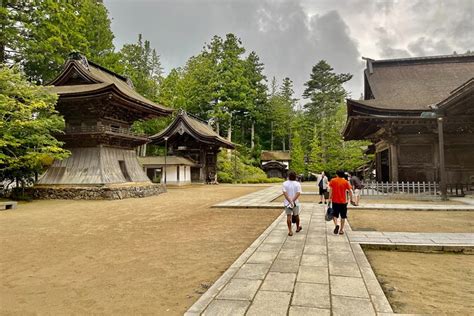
465,249
377,296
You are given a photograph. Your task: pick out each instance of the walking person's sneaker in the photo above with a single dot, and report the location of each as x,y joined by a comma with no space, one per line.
336,230
299,229
320,202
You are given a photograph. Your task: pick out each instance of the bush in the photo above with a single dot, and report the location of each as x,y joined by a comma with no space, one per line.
224,177
19,194
239,169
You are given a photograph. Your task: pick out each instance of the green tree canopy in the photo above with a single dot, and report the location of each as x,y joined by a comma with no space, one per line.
28,123
41,34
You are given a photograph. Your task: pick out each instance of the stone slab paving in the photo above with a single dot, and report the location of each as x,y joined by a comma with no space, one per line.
313,272
264,198
259,199
413,207
395,238
418,242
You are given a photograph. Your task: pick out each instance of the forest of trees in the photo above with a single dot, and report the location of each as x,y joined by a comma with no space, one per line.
224,84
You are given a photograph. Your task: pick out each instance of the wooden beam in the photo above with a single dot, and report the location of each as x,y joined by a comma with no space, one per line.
442,168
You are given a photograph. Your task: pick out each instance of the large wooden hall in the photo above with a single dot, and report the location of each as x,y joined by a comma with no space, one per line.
419,115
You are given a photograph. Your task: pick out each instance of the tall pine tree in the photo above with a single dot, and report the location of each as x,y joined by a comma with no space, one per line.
297,155
325,91
142,65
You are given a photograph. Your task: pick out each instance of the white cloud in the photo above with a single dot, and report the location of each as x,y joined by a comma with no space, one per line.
291,36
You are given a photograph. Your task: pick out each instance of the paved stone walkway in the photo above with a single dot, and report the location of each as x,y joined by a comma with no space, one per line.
419,239
313,272
264,198
258,199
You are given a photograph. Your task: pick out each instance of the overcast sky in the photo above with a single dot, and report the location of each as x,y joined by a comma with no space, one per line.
291,36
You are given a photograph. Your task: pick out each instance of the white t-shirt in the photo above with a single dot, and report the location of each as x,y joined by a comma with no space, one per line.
291,188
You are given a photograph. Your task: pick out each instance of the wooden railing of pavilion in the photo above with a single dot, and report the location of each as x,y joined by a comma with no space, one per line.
373,188
101,129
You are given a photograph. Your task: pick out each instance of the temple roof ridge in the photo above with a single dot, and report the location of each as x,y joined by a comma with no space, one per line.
423,59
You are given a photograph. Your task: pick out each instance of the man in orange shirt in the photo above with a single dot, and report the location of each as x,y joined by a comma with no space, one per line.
337,195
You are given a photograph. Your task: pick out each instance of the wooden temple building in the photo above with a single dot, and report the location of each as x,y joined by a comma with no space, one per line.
193,139
275,163
419,115
99,107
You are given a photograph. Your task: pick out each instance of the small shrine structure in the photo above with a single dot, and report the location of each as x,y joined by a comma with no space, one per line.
99,107
419,115
176,169
191,138
275,163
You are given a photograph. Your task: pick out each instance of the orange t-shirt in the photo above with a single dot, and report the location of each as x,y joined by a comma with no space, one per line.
338,188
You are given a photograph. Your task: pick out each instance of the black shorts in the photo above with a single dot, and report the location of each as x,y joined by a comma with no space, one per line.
339,209
322,191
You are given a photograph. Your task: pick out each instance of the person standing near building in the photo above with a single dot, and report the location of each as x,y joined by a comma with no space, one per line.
338,187
292,191
322,184
356,187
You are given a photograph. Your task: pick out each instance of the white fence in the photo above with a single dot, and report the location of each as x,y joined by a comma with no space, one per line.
394,188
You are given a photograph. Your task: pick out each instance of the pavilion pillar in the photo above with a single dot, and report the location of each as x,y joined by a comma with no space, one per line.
393,162
202,154
378,166
442,168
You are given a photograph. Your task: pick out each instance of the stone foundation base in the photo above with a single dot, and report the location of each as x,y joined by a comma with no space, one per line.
116,192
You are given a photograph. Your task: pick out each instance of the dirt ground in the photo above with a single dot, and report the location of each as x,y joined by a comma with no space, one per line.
412,221
422,283
154,255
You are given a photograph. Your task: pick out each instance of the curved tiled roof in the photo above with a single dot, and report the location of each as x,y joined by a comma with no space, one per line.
170,160
94,78
277,155
415,83
198,128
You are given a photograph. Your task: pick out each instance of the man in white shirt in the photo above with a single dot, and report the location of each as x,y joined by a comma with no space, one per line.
292,191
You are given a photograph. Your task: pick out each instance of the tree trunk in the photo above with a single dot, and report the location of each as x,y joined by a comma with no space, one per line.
252,135
289,139
3,58
229,132
271,144
229,136
283,143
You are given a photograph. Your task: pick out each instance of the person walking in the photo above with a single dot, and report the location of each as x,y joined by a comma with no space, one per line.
356,187
322,183
338,187
292,191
